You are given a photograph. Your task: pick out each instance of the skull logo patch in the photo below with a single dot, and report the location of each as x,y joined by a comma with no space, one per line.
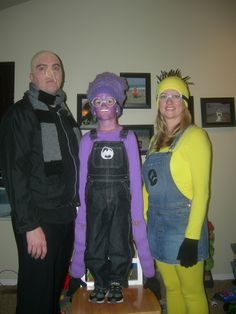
107,152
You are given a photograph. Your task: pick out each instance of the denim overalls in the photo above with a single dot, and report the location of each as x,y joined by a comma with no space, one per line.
168,210
109,246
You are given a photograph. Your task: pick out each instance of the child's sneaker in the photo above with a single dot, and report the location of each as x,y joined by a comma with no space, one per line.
98,295
115,294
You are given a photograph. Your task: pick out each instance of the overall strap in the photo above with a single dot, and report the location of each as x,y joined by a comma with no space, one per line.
124,133
172,146
93,134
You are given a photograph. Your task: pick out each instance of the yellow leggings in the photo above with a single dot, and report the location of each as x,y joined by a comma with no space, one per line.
185,293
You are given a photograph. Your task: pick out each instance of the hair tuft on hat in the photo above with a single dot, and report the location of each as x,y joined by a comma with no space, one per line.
174,80
165,74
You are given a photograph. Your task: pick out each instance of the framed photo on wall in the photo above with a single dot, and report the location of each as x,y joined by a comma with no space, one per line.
139,92
85,118
191,107
5,209
143,133
218,112
1,180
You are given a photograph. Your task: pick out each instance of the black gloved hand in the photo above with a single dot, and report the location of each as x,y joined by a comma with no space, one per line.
74,284
188,252
154,285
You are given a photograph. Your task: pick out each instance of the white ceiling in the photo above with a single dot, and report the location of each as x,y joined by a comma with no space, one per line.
9,3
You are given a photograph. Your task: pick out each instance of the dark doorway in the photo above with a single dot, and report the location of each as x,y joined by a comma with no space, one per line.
7,78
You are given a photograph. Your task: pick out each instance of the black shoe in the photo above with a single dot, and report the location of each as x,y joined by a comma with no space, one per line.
115,294
98,295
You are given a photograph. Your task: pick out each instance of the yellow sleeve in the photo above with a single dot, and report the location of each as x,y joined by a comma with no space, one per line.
197,152
145,202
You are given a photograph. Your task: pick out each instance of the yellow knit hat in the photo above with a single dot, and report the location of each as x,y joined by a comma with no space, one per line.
176,83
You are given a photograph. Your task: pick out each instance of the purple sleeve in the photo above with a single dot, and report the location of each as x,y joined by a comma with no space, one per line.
138,223
77,267
84,152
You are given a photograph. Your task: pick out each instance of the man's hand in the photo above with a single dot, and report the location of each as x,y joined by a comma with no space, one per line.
37,244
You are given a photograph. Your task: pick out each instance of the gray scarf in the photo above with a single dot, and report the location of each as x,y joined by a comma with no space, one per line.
50,142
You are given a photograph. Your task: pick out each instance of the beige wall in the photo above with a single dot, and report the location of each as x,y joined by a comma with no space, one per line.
137,36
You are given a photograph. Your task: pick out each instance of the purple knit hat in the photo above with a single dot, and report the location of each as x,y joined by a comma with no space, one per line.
109,83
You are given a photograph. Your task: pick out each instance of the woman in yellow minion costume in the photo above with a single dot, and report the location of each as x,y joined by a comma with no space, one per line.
176,174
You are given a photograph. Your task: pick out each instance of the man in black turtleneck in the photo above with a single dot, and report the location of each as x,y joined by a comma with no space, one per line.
39,148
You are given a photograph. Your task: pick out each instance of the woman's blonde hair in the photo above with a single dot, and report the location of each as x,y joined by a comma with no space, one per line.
162,136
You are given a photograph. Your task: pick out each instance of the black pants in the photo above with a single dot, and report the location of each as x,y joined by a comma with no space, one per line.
109,246
40,281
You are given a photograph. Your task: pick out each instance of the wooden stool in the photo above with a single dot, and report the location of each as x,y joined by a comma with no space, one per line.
136,300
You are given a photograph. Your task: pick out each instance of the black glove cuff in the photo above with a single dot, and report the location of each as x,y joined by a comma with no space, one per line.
154,285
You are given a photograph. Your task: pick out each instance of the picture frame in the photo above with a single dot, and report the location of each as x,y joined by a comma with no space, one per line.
191,107
1,179
143,133
139,91
135,274
5,208
85,118
218,112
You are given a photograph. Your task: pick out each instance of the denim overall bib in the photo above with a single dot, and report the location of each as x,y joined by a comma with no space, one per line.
109,246
168,210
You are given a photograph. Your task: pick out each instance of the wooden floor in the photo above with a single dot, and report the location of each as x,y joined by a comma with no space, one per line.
136,300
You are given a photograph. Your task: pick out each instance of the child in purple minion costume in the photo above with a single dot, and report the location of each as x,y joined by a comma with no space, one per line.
111,211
